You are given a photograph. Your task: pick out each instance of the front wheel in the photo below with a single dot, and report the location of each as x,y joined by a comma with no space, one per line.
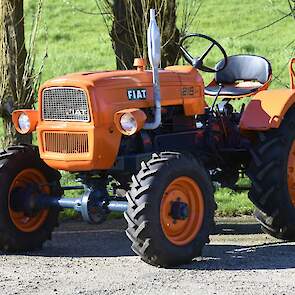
171,210
22,170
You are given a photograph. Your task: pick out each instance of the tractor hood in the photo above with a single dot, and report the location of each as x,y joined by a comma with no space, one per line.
117,90
112,79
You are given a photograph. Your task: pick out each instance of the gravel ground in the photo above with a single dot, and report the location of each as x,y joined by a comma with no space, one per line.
83,259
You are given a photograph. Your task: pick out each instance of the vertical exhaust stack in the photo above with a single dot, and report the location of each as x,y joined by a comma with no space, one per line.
154,53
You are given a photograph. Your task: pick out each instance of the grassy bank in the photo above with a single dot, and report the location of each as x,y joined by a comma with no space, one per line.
79,42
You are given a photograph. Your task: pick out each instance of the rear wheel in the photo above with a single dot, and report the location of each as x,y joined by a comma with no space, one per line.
171,210
22,170
272,172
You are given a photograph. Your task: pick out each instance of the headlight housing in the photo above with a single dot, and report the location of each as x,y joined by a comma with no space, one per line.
129,121
25,121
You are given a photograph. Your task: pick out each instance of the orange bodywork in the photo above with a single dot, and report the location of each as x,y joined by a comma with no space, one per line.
267,109
99,139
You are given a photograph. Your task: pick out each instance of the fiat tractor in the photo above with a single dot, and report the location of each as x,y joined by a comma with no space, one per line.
151,135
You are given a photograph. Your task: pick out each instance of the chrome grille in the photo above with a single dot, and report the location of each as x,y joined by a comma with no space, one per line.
65,104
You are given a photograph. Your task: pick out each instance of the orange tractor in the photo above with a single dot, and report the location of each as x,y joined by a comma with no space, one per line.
152,134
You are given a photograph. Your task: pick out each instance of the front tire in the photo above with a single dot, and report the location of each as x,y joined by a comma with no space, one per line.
171,210
22,168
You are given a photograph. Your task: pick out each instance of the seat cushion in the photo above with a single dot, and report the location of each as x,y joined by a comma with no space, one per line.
230,90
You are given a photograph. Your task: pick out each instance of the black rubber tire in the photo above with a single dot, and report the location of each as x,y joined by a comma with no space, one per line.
143,214
12,161
269,176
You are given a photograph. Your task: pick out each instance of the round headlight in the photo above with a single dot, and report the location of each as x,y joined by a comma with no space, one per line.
128,123
24,123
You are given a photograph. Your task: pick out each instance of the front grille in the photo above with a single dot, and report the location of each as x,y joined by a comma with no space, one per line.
66,143
65,104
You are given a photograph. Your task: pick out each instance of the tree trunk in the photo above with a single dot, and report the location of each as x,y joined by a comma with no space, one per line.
170,35
129,28
14,56
124,40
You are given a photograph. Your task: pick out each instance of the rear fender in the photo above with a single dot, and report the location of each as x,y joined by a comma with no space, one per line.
267,109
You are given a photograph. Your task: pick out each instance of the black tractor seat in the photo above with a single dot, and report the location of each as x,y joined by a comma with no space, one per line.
244,75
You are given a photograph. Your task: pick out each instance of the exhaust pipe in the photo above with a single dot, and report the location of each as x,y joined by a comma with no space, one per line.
154,53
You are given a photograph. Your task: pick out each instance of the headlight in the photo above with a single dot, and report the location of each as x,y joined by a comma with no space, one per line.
128,123
24,123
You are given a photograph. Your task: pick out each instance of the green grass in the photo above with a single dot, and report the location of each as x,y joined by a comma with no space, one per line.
74,41
79,42
232,204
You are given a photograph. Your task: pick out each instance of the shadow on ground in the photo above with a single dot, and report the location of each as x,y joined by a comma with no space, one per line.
75,240
257,257
237,229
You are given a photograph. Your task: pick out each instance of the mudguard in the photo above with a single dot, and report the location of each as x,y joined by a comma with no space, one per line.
267,109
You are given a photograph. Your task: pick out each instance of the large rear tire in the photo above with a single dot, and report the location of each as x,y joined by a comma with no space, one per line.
22,168
171,210
272,172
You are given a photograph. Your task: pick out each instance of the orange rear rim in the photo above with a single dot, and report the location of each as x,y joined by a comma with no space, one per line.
291,173
23,222
185,191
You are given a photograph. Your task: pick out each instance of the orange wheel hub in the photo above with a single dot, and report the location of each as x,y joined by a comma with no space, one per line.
22,221
184,196
291,173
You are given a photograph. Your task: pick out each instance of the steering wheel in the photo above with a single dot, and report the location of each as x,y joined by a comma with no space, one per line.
197,62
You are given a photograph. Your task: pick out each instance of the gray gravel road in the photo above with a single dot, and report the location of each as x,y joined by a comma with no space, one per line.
83,259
